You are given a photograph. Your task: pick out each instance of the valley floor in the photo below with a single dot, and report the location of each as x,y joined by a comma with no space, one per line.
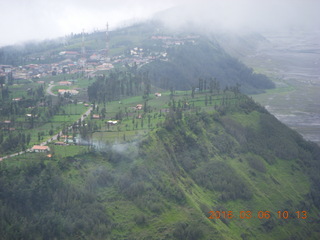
292,61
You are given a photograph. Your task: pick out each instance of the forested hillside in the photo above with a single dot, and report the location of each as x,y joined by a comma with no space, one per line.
214,174
150,140
204,60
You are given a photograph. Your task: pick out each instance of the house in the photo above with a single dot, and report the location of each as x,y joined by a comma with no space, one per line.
115,122
65,83
5,125
28,115
7,69
95,116
39,148
157,94
95,57
20,75
139,106
72,92
69,54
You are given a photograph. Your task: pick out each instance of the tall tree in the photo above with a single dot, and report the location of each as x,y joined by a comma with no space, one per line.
2,81
192,92
211,85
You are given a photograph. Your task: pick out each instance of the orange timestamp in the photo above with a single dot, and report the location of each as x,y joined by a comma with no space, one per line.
258,214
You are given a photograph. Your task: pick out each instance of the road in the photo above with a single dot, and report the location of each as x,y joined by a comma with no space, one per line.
53,138
49,90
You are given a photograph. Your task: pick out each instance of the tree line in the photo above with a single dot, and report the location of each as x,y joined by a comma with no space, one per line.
204,60
119,83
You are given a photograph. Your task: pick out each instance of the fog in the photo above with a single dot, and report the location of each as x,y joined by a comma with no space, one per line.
245,15
128,149
22,20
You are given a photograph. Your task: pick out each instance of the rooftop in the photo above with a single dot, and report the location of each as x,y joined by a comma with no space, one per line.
39,147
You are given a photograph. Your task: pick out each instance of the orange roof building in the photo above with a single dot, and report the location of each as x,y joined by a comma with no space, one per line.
139,106
39,148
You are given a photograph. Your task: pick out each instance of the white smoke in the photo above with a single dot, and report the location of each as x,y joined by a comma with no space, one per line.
129,149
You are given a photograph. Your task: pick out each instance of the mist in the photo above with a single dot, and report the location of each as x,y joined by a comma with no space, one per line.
38,20
244,15
30,20
126,149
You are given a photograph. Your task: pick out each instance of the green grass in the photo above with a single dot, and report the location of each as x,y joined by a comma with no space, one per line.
20,90
67,151
65,118
120,137
279,188
57,123
281,89
74,109
247,120
157,107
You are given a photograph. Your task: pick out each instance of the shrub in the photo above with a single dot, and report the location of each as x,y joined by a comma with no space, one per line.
140,219
185,231
257,164
219,176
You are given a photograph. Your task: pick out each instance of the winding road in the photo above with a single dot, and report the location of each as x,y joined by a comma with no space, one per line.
49,90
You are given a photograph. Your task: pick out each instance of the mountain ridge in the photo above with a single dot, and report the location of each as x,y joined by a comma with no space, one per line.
194,176
206,162
178,57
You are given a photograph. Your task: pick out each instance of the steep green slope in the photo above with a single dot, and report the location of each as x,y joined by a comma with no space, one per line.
205,59
233,160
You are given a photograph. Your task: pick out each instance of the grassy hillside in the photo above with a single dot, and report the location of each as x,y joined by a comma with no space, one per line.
203,163
213,174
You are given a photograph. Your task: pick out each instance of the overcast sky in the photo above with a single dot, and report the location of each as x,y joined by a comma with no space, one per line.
24,20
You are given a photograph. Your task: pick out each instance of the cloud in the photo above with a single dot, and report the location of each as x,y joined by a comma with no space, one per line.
248,15
22,20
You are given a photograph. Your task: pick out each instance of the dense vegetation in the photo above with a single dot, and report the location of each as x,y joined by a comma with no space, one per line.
36,203
165,185
118,84
205,59
207,149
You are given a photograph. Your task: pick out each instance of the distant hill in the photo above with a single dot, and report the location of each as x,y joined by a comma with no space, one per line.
173,59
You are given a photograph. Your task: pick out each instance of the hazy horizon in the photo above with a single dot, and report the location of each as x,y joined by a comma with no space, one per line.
23,21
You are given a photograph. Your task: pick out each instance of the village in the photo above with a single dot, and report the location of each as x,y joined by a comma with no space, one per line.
67,76
90,63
